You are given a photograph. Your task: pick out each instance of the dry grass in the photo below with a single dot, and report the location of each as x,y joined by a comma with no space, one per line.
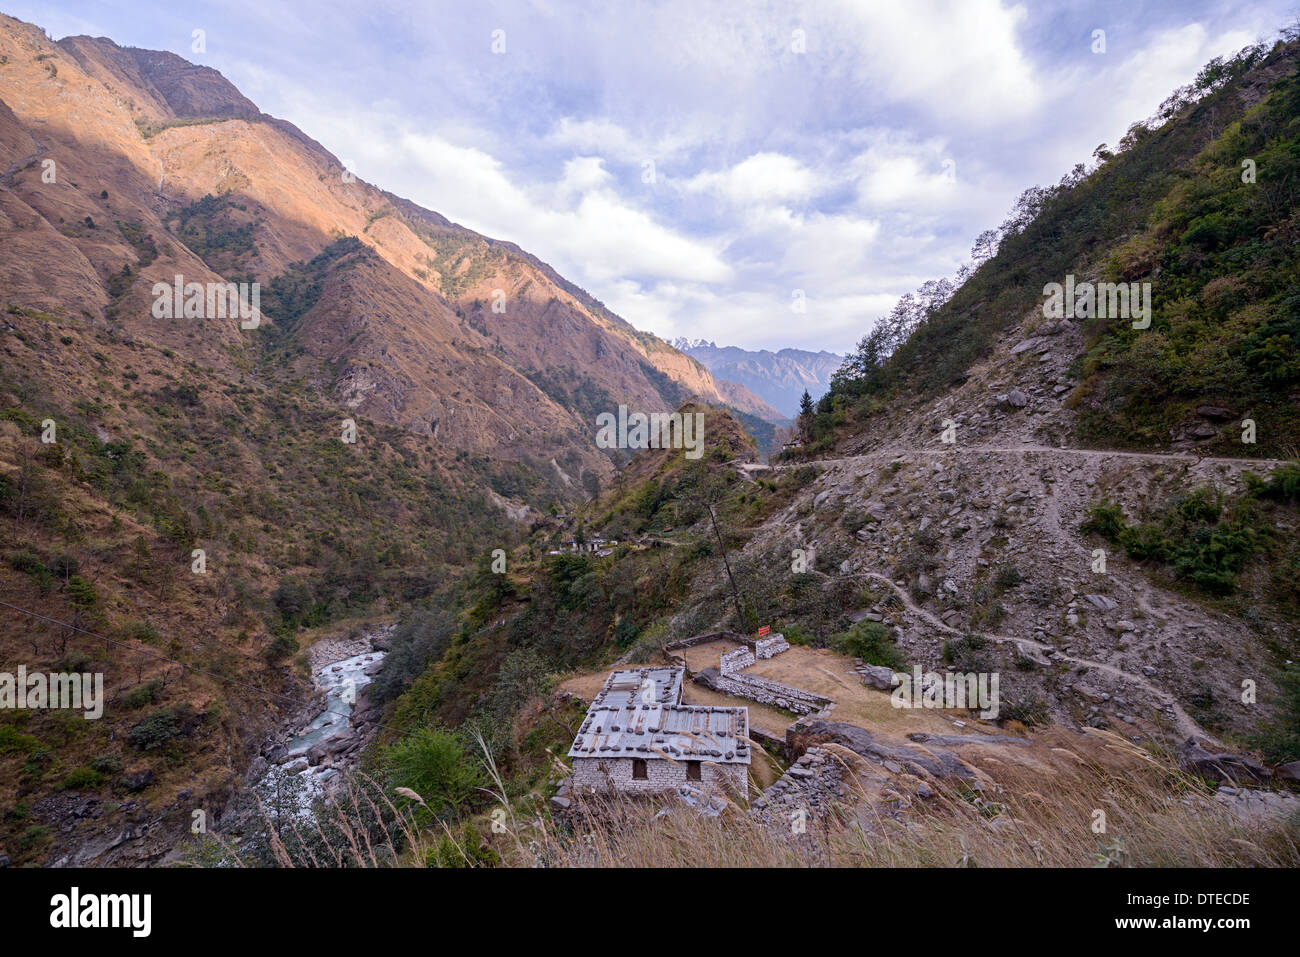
1155,816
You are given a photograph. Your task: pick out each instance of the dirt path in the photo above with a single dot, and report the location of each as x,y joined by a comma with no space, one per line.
1182,721
1087,454
1050,527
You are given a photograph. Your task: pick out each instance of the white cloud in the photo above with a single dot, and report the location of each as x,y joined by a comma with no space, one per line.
761,179
959,61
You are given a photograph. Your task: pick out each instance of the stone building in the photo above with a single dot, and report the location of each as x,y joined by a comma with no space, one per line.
639,737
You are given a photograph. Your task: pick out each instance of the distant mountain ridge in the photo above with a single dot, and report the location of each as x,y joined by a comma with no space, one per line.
779,378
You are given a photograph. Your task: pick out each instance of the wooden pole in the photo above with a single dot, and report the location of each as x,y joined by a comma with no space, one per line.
735,592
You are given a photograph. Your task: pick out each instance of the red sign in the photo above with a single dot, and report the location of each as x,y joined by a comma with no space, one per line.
764,630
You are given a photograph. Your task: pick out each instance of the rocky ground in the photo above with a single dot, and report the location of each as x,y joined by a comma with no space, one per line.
982,535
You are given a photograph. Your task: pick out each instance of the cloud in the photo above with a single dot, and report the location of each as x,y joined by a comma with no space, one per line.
854,170
761,179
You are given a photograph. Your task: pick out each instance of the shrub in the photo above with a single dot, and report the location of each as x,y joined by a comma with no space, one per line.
83,778
1008,576
468,851
967,653
33,836
155,730
11,739
107,764
141,695
434,765
1030,713
868,640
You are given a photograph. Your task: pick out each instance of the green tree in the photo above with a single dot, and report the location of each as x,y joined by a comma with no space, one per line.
434,765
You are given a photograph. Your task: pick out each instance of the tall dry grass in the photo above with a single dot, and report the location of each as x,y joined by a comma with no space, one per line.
1151,815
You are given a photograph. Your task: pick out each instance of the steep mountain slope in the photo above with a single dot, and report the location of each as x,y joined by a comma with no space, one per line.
157,134
1102,498
170,437
951,512
778,377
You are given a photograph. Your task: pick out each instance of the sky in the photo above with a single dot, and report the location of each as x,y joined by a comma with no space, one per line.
700,166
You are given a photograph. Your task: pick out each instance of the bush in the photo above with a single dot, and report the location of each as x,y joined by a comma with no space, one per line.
967,653
1283,485
281,647
434,765
155,730
33,836
83,778
1279,741
107,764
868,640
468,851
11,739
1030,713
1008,576
141,695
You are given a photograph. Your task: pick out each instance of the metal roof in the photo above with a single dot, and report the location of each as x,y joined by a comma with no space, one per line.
638,714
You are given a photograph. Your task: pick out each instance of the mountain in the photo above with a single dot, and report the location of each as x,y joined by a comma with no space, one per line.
192,508
430,327
778,377
413,395
1065,503
1111,484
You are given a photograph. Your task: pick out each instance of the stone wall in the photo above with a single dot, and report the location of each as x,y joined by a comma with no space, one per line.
705,639
733,662
762,690
602,774
771,645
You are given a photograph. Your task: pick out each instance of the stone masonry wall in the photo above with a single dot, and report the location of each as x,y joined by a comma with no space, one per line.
769,692
599,774
735,661
771,645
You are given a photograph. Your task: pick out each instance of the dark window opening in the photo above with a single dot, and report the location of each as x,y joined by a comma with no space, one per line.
639,770
693,771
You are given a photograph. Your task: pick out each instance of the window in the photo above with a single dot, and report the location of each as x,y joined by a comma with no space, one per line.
639,770
693,771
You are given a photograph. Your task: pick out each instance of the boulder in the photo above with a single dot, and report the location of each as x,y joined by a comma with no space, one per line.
1223,767
1215,412
135,781
1102,602
1289,772
878,676
1017,399
935,761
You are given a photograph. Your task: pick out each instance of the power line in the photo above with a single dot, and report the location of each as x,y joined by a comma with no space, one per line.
199,671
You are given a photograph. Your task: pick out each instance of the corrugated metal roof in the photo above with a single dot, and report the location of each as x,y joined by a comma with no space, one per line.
638,714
